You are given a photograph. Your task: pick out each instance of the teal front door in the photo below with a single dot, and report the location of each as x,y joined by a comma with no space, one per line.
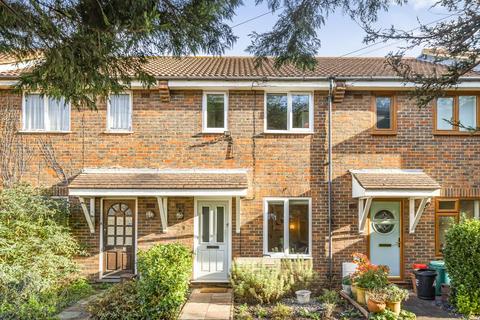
385,238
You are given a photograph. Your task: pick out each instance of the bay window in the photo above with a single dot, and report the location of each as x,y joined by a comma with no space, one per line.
288,112
287,226
451,211
43,113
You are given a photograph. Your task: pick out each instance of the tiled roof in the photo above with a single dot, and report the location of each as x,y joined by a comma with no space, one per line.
159,180
224,68
394,179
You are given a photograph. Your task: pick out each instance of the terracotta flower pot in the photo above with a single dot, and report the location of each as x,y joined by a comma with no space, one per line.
375,306
361,296
394,306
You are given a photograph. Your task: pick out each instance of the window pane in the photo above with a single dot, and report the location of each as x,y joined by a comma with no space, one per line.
220,224
467,209
215,111
444,223
300,104
444,113
275,226
58,114
298,226
205,224
445,205
277,111
34,112
467,112
119,112
383,113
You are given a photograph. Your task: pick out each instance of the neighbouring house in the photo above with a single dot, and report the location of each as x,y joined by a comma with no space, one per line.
233,161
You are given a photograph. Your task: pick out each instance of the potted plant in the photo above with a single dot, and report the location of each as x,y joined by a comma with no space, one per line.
368,277
394,297
376,300
347,285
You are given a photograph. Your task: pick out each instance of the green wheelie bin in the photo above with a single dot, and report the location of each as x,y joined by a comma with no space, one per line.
442,275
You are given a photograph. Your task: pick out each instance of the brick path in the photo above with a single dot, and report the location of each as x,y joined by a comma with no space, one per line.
427,309
208,306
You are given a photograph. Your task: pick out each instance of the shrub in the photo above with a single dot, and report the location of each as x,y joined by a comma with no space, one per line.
36,255
243,313
159,292
300,273
165,272
281,312
329,296
257,283
120,301
462,258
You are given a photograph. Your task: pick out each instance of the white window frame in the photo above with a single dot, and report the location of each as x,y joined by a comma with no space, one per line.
46,116
286,219
205,115
130,129
290,128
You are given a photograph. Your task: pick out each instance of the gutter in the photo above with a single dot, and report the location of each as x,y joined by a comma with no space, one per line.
330,171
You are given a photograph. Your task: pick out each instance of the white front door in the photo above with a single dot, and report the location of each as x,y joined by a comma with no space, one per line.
211,259
385,228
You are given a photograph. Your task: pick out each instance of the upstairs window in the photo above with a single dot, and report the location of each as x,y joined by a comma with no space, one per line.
287,226
42,113
288,112
458,114
385,114
215,112
119,113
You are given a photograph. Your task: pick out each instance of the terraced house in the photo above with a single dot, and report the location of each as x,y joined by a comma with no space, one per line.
237,161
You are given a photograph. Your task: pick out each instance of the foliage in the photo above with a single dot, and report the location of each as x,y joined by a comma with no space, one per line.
75,291
305,313
281,312
328,310
368,275
120,301
300,272
159,292
389,315
350,314
462,258
395,294
261,312
377,294
243,313
406,315
257,283
38,275
347,280
329,296
165,272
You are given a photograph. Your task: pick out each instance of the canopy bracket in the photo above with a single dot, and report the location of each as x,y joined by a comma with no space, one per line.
162,206
416,215
363,210
89,214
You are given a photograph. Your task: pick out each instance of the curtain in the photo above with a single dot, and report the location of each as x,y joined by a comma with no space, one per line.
34,112
119,117
58,114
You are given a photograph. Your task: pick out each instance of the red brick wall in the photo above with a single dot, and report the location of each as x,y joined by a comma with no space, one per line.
168,135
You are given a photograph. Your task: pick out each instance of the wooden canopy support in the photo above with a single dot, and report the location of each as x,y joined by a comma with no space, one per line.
89,214
164,91
339,92
415,215
363,210
163,209
238,211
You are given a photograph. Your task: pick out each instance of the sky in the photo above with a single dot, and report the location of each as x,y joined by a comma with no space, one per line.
340,35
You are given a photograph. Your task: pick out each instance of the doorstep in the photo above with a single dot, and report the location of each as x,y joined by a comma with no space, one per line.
208,304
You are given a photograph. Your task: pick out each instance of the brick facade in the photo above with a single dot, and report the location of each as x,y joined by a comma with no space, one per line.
168,134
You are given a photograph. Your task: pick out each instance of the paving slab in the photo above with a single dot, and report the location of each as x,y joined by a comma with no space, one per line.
427,309
208,305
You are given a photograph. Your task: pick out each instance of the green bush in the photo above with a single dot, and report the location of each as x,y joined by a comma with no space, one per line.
36,255
281,312
165,272
159,292
462,260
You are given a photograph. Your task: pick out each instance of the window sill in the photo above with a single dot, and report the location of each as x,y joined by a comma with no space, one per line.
221,131
43,132
117,132
288,256
383,133
455,133
288,132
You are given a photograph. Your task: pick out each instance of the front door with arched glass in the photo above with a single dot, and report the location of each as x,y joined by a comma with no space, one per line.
118,237
385,235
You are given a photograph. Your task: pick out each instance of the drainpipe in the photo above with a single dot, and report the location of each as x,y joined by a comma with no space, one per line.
329,134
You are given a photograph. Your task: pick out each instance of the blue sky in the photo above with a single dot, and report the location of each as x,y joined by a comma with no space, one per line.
340,35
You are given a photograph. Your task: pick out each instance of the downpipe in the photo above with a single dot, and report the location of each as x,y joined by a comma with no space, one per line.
330,175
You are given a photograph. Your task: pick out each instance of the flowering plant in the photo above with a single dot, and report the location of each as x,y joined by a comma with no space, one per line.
368,275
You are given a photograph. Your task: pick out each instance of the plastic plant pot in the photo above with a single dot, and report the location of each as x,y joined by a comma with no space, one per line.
303,296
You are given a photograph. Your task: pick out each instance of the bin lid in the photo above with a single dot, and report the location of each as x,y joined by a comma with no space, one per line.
437,263
425,272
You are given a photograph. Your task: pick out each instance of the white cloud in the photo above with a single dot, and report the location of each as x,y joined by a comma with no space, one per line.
422,4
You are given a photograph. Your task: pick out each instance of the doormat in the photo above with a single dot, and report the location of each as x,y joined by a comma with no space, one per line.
213,290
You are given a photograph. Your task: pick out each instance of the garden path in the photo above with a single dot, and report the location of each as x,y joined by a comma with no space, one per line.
209,304
427,309
78,311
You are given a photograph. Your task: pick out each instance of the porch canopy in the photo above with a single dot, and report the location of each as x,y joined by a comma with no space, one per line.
415,185
159,183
